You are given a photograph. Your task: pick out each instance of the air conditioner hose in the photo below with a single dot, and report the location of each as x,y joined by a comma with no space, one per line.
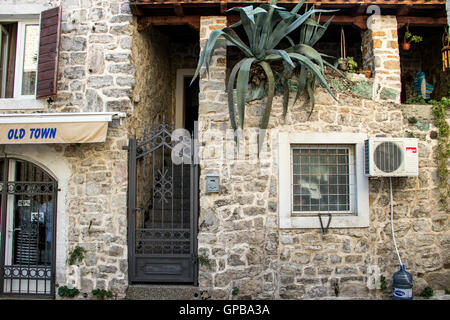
392,223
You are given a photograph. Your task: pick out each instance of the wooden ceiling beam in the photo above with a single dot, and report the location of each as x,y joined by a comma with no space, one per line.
404,10
178,10
146,22
358,21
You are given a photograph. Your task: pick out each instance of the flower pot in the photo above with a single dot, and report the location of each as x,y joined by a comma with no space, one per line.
406,46
342,64
367,73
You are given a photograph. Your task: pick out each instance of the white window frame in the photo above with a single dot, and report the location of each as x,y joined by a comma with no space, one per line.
358,218
20,101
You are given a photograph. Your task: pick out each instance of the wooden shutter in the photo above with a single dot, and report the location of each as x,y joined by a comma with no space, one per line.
47,73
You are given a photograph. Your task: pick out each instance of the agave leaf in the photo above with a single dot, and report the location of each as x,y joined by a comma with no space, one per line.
242,86
283,55
298,6
231,96
314,69
311,53
320,32
247,20
265,29
270,93
285,96
301,83
334,68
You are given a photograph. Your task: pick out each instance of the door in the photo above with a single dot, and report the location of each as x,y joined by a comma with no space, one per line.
28,213
162,210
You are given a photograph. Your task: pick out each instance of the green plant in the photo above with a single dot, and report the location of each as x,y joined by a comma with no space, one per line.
235,291
443,149
409,37
447,291
77,255
415,100
351,64
203,260
337,289
102,294
265,28
412,120
427,293
67,292
383,283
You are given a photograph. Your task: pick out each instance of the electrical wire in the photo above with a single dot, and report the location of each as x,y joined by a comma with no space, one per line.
392,222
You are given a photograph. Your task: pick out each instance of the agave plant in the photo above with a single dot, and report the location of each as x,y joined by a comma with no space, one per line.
265,28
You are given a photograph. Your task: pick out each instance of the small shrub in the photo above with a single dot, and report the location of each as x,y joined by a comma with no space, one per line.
102,294
235,291
77,255
383,283
412,120
447,291
427,293
203,260
352,64
66,292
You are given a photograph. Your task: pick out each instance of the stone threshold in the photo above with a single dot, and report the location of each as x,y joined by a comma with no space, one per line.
162,292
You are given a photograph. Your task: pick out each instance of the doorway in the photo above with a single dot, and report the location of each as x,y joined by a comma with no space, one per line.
186,99
28,216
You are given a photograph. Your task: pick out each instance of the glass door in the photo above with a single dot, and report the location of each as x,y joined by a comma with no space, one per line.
28,214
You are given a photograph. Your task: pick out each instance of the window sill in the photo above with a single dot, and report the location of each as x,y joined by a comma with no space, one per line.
22,104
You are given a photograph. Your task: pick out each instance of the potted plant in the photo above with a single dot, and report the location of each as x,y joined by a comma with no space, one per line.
408,39
265,27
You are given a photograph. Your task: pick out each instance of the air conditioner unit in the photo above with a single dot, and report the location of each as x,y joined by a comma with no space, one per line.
391,157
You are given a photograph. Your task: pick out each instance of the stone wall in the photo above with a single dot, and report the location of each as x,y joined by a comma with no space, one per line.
95,75
381,55
250,257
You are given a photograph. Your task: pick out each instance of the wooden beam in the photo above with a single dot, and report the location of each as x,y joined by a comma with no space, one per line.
421,21
146,22
403,10
136,10
223,7
178,10
360,10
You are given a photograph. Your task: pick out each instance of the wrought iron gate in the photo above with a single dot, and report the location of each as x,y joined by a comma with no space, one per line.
162,209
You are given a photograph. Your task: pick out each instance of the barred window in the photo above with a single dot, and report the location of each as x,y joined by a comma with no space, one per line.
323,178
322,173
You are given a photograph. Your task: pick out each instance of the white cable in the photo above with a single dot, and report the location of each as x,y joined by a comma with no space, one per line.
392,222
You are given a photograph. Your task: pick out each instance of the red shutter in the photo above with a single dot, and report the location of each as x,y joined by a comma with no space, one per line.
47,73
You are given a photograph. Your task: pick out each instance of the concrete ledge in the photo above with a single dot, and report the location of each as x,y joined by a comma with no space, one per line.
162,292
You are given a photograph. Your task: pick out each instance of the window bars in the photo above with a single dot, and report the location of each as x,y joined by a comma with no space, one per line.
323,179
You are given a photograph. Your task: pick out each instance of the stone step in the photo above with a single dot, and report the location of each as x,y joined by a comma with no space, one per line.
159,292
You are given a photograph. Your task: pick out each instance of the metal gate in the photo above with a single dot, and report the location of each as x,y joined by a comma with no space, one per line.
28,225
162,208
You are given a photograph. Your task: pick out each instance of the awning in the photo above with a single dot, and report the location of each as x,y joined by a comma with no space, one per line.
21,128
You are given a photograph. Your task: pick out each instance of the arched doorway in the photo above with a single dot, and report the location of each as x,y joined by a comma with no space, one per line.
28,226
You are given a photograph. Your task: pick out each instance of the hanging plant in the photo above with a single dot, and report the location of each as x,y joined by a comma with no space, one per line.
265,28
410,38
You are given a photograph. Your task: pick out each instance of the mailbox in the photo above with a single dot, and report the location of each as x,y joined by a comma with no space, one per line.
212,182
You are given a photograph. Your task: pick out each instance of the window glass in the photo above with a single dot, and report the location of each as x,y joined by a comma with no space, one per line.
30,59
321,178
4,37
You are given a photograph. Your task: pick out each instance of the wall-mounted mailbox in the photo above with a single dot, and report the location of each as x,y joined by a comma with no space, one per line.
212,182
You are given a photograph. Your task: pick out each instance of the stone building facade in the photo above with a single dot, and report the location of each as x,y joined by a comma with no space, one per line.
107,65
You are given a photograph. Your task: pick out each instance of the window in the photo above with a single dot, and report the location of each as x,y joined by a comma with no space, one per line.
29,50
19,56
322,173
